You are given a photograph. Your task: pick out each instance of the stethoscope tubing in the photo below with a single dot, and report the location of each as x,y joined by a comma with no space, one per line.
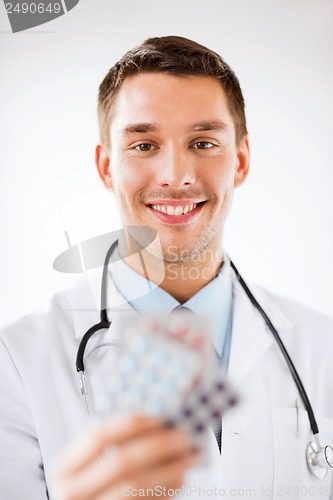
105,323
294,373
104,320
316,454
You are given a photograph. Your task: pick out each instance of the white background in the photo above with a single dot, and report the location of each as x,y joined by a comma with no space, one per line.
280,232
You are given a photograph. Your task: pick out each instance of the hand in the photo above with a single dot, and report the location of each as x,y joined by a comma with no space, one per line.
123,455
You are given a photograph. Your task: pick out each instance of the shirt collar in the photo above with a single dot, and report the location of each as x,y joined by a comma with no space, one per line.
214,300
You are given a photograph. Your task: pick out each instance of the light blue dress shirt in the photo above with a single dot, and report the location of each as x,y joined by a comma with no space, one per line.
214,300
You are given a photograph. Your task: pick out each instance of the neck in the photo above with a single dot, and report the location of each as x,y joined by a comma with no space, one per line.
184,279
181,280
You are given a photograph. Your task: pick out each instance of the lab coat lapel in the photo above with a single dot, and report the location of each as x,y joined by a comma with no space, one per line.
250,336
85,304
102,349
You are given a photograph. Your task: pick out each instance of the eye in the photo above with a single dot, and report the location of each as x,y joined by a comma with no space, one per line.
203,145
144,146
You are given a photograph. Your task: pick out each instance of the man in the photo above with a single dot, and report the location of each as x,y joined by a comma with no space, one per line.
174,146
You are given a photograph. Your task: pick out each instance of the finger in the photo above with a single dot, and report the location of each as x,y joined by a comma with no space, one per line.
124,461
147,451
161,482
169,475
113,431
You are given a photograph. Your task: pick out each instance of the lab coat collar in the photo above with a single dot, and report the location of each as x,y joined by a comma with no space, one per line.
250,336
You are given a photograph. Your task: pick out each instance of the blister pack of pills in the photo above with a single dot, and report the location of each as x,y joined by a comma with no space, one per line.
167,367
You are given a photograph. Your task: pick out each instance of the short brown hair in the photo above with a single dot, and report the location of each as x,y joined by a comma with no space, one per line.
177,56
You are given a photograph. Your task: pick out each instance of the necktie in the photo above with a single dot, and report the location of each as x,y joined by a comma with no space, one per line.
218,428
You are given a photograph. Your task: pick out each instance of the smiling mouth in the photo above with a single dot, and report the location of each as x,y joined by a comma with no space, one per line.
175,209
173,213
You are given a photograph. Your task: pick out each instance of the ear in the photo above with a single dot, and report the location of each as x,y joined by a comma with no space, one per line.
243,161
102,160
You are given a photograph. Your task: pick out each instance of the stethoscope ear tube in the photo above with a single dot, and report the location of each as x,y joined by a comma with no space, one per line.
104,320
319,458
82,347
296,377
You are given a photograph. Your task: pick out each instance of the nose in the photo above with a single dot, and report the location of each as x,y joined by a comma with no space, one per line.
176,168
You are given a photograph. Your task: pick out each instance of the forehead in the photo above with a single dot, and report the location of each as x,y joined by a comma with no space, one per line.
168,100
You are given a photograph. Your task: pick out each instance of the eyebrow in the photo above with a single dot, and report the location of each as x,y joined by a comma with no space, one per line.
144,127
140,128
205,126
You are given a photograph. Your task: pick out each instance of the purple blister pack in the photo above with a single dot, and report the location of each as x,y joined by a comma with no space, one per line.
167,367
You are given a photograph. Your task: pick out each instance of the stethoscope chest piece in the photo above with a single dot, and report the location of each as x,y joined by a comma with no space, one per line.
320,459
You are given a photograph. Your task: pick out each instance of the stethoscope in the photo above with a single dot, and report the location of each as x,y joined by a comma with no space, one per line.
319,458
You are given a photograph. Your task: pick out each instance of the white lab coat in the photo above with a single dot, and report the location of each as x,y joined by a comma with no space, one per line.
263,454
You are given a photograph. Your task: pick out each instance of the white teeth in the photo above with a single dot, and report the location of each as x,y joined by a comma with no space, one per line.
171,210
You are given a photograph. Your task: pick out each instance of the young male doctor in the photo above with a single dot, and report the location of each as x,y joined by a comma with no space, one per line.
174,146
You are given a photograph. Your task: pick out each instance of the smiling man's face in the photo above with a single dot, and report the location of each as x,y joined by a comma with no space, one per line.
174,161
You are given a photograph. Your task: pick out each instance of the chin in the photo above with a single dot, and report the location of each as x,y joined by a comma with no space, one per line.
184,254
